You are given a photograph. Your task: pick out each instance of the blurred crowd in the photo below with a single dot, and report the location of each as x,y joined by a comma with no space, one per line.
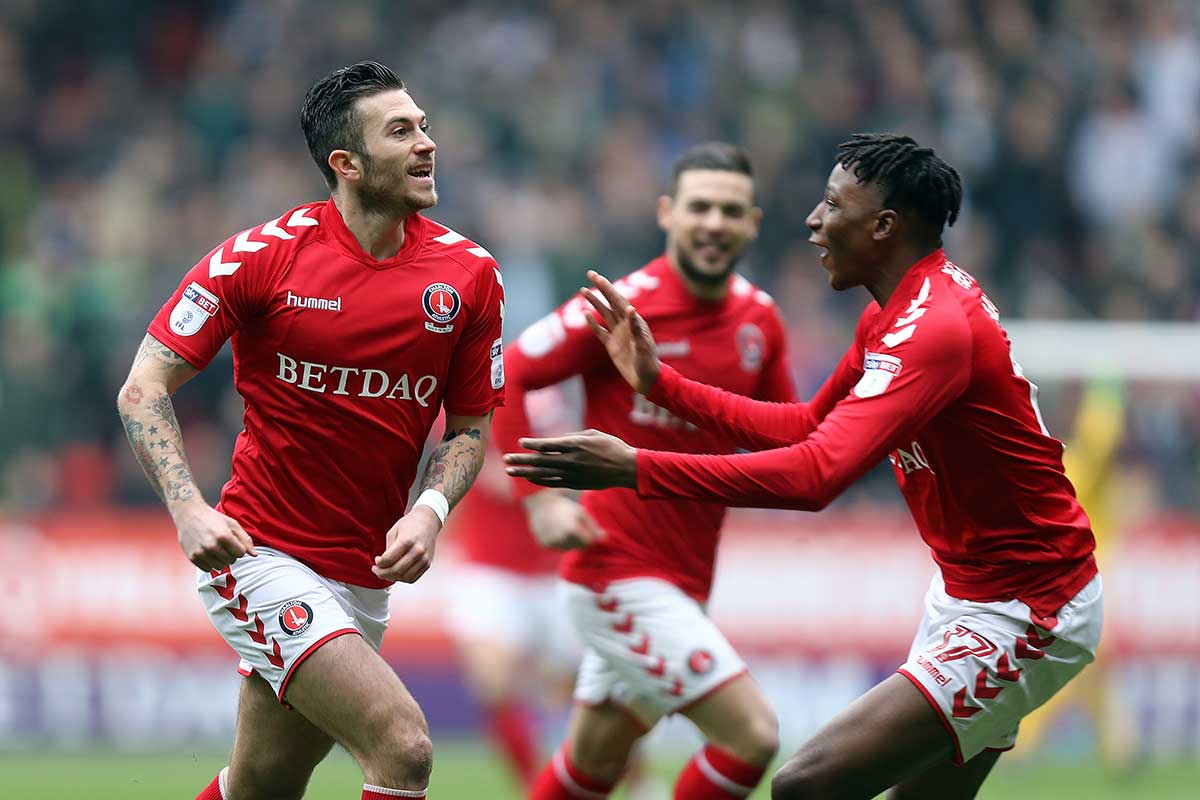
135,135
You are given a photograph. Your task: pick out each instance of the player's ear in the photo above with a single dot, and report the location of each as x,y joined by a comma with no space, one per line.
346,165
663,210
885,224
756,215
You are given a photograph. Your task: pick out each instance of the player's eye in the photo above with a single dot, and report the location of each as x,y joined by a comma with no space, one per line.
829,202
426,128
399,131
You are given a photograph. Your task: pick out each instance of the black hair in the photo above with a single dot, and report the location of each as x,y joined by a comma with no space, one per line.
327,114
913,178
711,155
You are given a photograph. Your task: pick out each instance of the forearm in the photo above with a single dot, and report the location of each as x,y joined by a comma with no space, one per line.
753,424
456,461
153,431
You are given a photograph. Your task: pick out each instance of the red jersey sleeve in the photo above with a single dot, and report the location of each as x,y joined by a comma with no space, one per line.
475,384
551,350
754,424
898,393
220,293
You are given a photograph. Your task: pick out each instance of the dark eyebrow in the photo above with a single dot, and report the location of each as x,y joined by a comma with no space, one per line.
402,119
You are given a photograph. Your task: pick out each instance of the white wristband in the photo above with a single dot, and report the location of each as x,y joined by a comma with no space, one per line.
436,501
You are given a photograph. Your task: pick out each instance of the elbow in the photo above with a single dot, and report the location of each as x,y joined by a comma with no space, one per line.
128,390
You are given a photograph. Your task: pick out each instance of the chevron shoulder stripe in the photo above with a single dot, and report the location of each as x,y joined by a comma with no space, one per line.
242,243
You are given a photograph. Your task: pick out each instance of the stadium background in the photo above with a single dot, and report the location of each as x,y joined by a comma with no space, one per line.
135,135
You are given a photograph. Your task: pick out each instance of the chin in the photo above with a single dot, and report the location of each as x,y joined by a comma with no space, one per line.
423,200
838,283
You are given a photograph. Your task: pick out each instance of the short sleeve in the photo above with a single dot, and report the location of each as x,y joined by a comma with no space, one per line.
215,298
476,381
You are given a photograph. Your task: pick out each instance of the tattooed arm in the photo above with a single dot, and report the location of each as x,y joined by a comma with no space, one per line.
451,470
456,461
210,539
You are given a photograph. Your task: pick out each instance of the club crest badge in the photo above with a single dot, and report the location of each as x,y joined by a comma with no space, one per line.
295,617
751,346
442,304
701,662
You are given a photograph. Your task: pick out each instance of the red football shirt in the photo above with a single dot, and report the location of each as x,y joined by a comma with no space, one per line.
489,524
929,380
343,362
737,342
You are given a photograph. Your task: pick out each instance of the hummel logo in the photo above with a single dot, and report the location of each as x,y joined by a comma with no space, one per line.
320,303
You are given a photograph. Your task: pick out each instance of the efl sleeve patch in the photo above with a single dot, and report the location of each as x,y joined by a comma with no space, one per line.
193,309
878,372
498,364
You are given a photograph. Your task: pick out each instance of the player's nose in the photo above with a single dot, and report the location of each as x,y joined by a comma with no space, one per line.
813,221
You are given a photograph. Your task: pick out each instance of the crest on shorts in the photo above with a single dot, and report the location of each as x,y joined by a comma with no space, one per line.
442,304
701,662
295,617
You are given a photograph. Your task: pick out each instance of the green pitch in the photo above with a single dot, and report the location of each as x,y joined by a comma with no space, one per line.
465,771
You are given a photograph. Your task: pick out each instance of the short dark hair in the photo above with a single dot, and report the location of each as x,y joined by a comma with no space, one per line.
913,178
327,114
711,155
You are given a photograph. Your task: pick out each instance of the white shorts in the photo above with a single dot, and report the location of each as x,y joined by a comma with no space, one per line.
275,612
648,647
521,611
984,666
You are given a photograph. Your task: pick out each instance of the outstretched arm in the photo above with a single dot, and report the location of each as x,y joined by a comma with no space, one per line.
863,427
753,424
452,468
210,539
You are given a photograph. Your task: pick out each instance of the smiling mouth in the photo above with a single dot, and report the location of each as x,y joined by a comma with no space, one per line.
422,172
824,248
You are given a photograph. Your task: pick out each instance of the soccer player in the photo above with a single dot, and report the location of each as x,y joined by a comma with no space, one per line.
514,641
639,572
1016,609
353,322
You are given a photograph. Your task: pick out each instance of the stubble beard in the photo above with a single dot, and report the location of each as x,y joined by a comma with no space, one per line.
694,274
379,193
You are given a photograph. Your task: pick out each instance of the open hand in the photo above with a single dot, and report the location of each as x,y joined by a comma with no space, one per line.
586,460
408,553
624,333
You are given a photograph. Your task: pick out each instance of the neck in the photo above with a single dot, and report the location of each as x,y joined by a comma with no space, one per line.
892,270
380,235
701,291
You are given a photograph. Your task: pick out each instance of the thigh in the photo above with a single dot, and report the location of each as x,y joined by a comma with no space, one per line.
348,691
886,736
494,671
737,718
601,737
275,748
947,780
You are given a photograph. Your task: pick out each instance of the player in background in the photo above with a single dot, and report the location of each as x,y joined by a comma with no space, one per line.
637,584
515,644
353,322
1092,464
1016,609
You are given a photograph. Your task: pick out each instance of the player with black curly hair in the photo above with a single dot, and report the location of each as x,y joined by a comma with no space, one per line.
1016,607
